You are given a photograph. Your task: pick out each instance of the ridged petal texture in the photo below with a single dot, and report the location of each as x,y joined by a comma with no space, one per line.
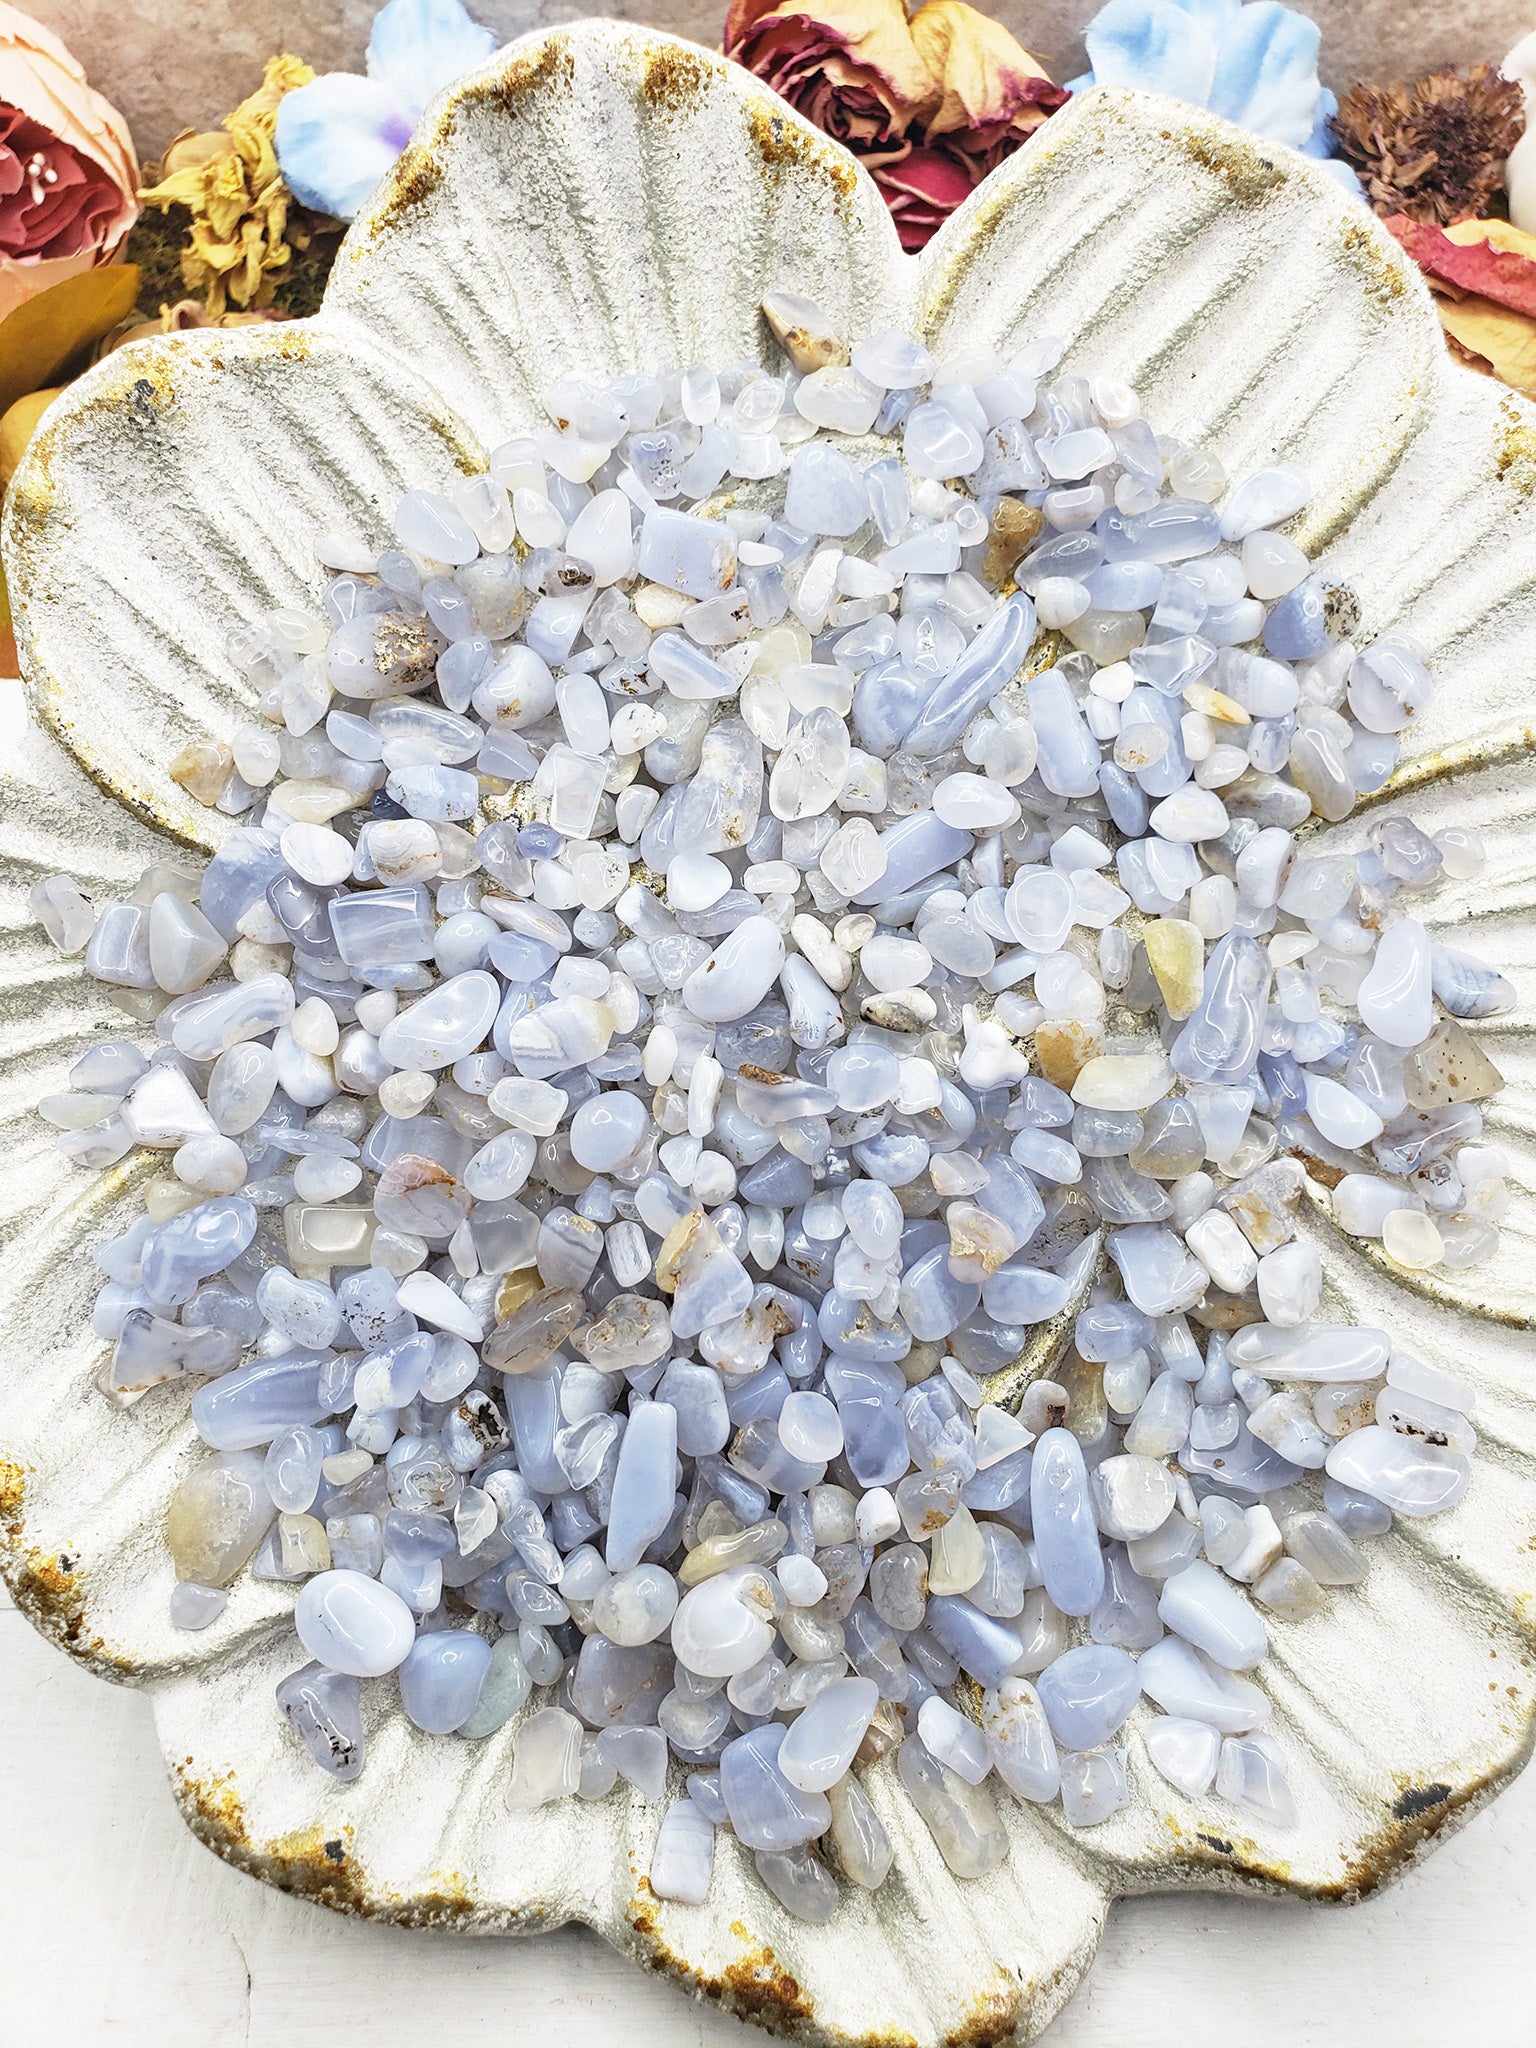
608,199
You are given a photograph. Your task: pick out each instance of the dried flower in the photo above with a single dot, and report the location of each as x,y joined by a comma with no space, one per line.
930,106
67,168
230,181
338,136
181,318
1483,276
1255,65
1433,151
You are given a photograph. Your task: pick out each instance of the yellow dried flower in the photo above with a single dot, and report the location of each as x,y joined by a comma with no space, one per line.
231,183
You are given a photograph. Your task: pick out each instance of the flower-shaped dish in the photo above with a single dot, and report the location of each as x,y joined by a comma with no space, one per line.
606,200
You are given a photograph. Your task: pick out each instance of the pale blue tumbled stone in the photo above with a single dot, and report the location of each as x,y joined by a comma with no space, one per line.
237,875
1297,626
1204,1607
825,492
932,1301
383,927
886,704
1087,1694
607,1131
695,556
766,1810
820,1743
351,1623
991,661
643,1487
306,1311
915,848
1069,758
684,1856
324,1710
696,1394
230,1016
868,1393
445,1025
251,1406
441,1679
1066,1533
982,1646
1220,1042
193,1246
850,1330
533,1411
1124,586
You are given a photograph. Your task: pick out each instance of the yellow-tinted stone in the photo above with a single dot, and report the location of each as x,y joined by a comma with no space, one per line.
1128,1080
958,1556
1064,1046
979,1242
781,646
676,1246
305,1545
1215,704
514,1290
1450,1066
1014,525
203,769
1176,955
1087,1409
217,1517
804,332
309,802
657,607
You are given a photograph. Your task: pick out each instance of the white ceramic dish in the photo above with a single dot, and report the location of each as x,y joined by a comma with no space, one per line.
607,199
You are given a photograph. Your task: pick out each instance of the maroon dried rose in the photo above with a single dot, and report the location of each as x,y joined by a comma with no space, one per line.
930,105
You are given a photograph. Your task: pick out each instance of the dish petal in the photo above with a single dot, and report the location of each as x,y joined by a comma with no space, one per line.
83,1479
1250,304
234,450
928,1960
602,200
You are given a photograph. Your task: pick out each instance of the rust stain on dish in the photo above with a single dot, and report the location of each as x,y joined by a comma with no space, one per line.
319,1863
1251,178
1418,1814
755,1987
418,172
48,1587
677,81
1470,757
13,1493
416,176
994,2018
784,147
1516,459
1381,270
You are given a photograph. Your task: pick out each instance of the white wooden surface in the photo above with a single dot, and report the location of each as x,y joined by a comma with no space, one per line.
117,1928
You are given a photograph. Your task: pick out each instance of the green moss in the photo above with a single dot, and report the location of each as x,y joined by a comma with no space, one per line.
155,245
157,240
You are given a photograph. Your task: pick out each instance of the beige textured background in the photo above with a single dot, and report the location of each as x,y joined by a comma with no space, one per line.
171,64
